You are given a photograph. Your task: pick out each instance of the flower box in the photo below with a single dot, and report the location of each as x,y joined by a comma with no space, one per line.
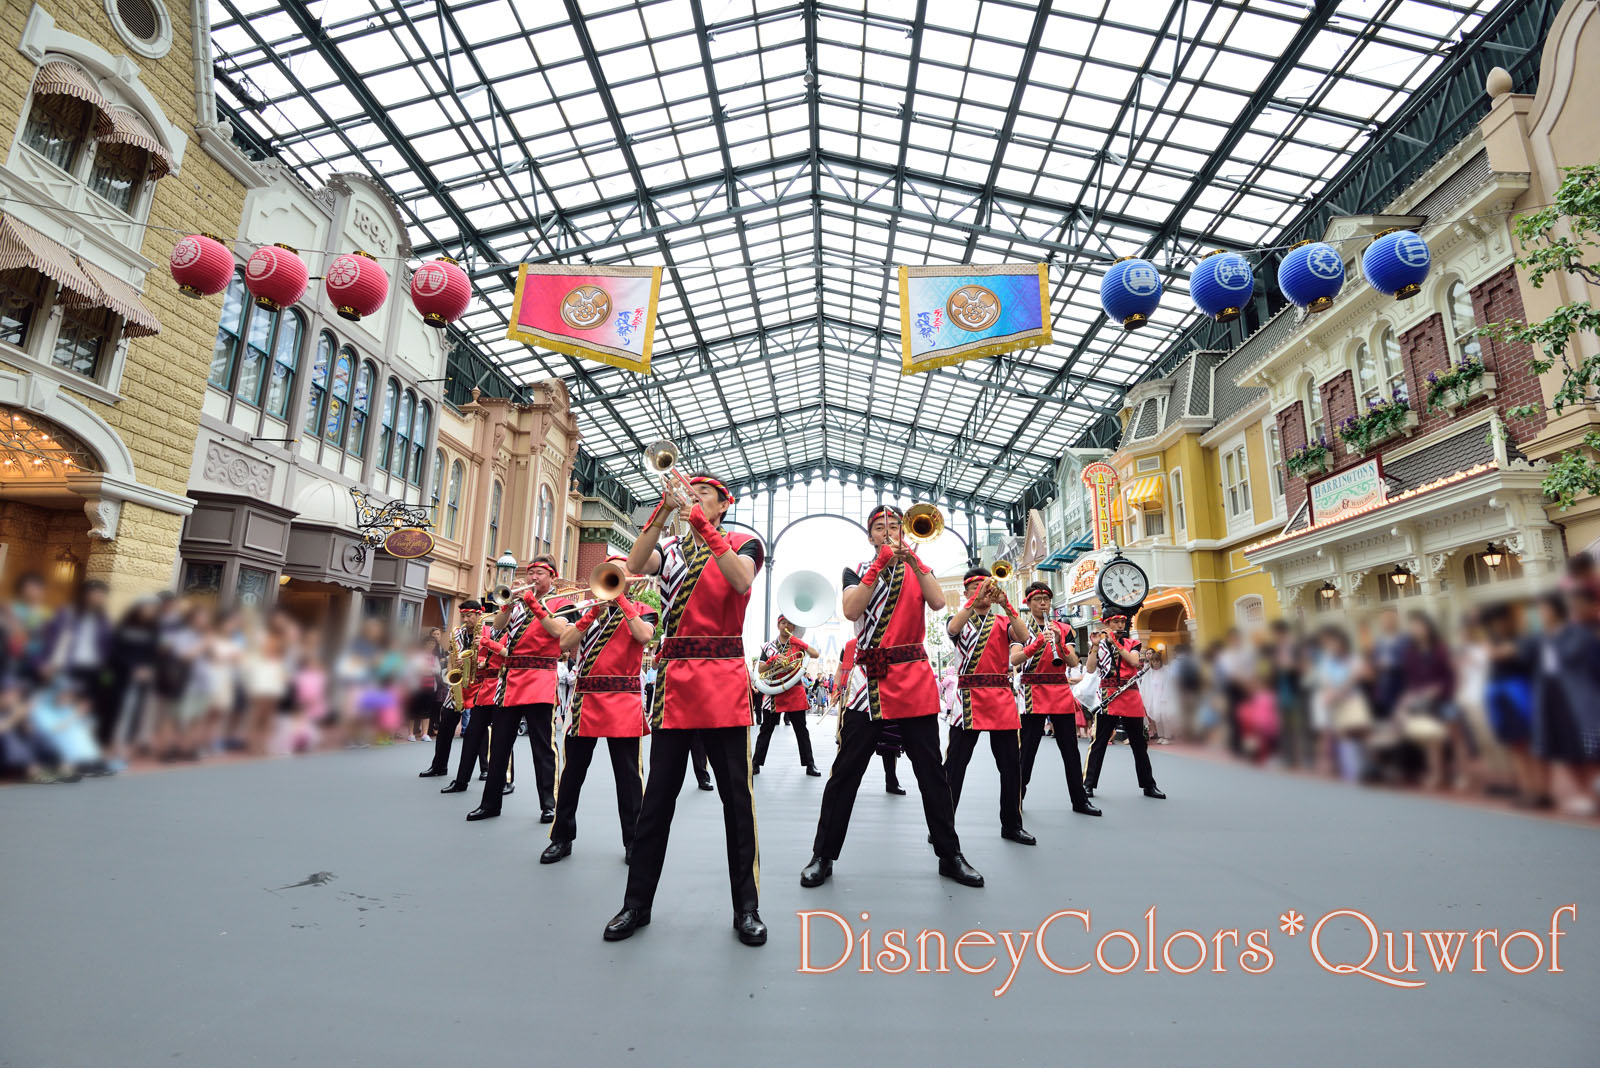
1383,423
1484,387
1460,386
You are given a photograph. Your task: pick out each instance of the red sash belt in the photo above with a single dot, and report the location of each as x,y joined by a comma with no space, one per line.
1043,678
703,647
983,682
608,683
874,662
519,661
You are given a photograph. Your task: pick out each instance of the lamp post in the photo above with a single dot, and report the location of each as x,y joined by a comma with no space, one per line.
505,569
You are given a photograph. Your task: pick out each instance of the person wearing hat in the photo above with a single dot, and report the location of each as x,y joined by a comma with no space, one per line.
1042,664
983,630
449,714
487,655
1117,661
607,650
888,598
789,705
532,628
701,691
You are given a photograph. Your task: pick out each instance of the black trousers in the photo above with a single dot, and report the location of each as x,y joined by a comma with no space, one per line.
802,736
858,740
698,749
449,719
1066,730
541,739
1133,727
728,753
474,743
1007,760
625,770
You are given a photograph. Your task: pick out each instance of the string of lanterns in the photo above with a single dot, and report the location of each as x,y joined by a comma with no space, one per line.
355,282
1311,274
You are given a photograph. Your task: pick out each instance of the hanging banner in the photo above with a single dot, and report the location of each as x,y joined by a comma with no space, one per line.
1101,480
950,314
593,312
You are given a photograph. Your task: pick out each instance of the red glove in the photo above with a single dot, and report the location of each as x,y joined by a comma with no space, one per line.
586,622
629,609
540,612
1035,647
879,562
916,562
708,532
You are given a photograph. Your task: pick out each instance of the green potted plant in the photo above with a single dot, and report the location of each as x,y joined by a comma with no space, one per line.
1382,421
1311,460
1459,385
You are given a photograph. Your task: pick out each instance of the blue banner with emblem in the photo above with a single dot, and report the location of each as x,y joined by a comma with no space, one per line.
965,312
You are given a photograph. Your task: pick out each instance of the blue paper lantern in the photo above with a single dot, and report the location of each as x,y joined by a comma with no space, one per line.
1130,292
1396,263
1311,275
1221,285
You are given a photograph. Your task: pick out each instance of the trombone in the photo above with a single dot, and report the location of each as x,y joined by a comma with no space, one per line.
922,523
608,581
503,593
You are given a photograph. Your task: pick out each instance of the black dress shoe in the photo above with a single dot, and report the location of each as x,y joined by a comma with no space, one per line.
1087,809
752,932
894,788
624,923
481,813
817,872
755,769
430,774
812,771
483,776
547,815
508,788
555,851
1019,836
705,784
956,867
1088,791
1151,791
455,788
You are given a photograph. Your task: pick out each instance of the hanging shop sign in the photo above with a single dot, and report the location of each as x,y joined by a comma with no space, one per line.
1101,480
1084,576
606,314
964,312
1352,490
408,543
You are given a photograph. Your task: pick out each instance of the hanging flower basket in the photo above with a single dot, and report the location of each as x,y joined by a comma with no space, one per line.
1312,460
1383,421
1459,386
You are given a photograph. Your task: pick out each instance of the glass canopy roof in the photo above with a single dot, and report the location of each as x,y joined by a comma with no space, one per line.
779,158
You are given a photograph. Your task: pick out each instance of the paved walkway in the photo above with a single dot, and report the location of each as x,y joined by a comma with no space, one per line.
336,910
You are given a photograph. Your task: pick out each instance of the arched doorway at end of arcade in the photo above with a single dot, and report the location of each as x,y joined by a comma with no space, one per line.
1164,624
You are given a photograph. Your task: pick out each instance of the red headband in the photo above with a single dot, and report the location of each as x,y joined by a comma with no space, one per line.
882,510
707,480
544,564
975,578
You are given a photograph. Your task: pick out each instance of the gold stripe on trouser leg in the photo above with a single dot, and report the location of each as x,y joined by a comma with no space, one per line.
555,757
561,765
755,829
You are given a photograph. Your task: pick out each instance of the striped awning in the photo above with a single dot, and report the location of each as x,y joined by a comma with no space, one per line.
127,128
137,318
63,79
82,284
1116,508
1145,492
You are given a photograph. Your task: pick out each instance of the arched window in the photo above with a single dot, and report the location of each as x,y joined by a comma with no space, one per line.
391,397
438,479
546,516
360,407
317,403
1462,346
1316,429
225,350
1367,383
1394,368
285,361
453,502
402,434
58,127
419,439
339,397
494,519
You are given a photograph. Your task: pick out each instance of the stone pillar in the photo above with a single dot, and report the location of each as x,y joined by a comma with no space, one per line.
139,559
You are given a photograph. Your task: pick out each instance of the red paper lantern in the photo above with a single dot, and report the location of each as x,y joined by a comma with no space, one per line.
276,276
201,265
356,285
441,291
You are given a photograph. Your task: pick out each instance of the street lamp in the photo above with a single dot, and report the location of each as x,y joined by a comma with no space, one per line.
505,569
1492,556
1399,576
1328,591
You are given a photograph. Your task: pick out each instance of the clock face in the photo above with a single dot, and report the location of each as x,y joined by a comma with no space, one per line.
1123,583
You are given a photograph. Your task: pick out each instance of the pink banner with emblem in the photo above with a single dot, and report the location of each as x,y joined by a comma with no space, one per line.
594,312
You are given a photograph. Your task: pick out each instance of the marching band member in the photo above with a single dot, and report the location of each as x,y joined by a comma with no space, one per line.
449,714
489,655
1117,661
979,629
1046,694
532,629
702,692
889,747
607,645
888,598
792,704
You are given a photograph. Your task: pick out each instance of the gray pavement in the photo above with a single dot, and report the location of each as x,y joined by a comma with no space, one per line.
336,910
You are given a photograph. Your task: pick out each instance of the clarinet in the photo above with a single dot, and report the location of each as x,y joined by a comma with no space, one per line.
1125,687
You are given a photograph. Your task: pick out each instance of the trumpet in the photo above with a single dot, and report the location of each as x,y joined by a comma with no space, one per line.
922,523
661,456
1001,570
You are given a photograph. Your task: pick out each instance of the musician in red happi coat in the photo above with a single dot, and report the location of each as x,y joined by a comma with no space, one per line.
607,647
1042,662
477,697
983,629
888,597
701,690
792,704
1117,661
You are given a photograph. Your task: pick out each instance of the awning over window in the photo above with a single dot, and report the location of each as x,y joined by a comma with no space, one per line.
63,79
82,284
127,128
1145,492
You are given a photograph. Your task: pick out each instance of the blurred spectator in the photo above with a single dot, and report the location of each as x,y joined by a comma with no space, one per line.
1288,690
1424,704
135,645
1257,714
181,684
1340,712
1234,670
76,646
427,665
1567,723
1513,664
28,614
1187,683
1156,690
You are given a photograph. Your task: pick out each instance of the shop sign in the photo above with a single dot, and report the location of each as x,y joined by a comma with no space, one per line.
1352,490
1100,479
408,543
1083,578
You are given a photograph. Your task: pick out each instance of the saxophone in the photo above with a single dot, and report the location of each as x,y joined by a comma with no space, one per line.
455,675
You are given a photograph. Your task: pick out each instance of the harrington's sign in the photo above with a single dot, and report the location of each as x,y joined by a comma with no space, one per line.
1352,490
1101,481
